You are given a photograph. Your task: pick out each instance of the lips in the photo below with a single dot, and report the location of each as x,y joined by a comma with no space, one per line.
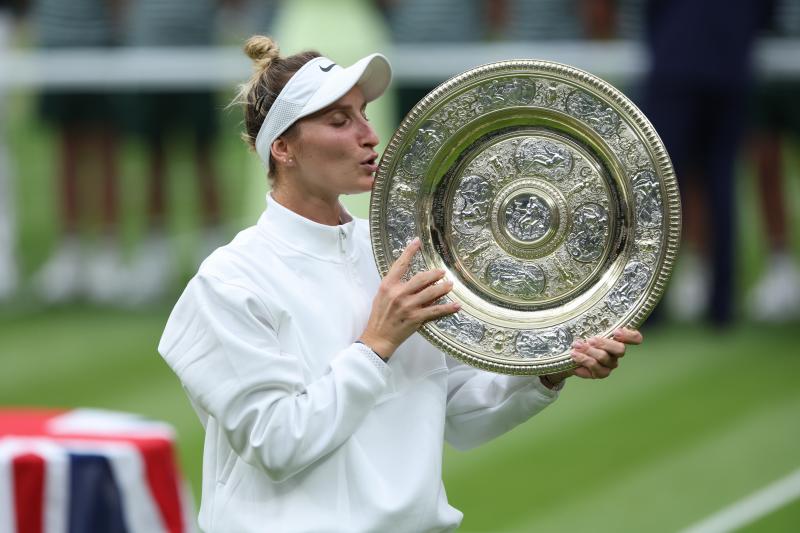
370,164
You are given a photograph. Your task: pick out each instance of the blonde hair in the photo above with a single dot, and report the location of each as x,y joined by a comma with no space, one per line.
270,74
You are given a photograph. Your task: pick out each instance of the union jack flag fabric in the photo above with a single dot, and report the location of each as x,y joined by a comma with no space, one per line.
89,471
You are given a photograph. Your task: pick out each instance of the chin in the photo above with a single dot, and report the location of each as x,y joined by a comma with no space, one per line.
363,184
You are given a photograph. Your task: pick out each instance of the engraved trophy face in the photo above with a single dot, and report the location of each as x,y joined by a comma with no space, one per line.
548,198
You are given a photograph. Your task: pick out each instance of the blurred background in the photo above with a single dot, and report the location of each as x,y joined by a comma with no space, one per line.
121,168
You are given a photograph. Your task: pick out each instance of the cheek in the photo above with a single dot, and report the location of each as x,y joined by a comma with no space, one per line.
324,150
337,145
334,153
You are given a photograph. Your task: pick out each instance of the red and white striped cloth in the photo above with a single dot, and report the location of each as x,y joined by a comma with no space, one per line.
89,471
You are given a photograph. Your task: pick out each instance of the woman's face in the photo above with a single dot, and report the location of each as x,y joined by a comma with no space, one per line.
333,149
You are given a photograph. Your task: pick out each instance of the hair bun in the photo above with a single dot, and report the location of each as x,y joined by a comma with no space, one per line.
262,50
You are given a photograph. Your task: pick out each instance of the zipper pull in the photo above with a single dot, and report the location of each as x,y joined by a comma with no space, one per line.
342,239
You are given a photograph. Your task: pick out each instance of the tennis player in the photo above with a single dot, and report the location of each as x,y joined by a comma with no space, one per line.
323,409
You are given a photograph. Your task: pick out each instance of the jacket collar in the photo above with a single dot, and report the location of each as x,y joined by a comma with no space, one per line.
331,243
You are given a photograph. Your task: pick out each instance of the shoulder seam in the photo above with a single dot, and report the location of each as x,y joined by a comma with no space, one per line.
248,290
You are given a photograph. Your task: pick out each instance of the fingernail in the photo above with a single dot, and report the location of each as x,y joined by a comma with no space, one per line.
578,344
576,356
593,341
457,306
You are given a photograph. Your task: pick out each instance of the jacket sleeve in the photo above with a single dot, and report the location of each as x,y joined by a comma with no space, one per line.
222,343
483,405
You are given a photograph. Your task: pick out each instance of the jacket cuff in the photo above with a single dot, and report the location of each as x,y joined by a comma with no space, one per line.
546,391
377,363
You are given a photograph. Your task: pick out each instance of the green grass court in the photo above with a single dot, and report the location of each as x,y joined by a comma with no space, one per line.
693,421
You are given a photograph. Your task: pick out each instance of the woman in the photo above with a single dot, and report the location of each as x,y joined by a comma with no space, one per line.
323,410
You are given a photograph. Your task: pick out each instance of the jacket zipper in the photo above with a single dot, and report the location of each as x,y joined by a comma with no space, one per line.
342,240
347,267
352,277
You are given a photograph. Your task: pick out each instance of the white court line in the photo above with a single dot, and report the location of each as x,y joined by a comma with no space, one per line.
751,508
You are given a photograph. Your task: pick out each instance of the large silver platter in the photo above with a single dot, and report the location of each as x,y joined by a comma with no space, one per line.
549,199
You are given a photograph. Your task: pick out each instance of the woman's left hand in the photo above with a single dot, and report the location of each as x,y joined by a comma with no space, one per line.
597,357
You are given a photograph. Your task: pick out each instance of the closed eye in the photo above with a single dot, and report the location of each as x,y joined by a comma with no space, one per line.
339,119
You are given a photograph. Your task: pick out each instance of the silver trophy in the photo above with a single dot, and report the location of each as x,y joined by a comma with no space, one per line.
547,197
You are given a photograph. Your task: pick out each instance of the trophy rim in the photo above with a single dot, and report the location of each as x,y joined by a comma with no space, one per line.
633,318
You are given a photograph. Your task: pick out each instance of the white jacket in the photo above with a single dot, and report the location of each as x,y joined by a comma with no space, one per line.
305,430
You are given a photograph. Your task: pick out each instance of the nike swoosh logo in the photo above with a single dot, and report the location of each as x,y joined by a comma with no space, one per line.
328,68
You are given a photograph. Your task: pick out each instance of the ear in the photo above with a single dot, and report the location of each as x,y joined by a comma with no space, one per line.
281,152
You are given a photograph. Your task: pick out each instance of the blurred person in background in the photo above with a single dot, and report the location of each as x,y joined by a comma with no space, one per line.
627,18
240,18
323,409
87,170
547,20
776,295
156,114
8,264
456,21
696,96
444,21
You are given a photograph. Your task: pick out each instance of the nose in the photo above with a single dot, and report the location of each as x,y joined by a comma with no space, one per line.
368,136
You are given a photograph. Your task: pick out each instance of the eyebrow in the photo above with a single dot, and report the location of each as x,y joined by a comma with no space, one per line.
333,109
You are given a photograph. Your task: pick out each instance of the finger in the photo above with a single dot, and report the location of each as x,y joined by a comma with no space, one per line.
432,312
615,348
585,365
628,336
422,279
601,356
431,293
400,267
591,364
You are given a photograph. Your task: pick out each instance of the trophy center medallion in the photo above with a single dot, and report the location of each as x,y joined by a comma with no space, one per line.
528,217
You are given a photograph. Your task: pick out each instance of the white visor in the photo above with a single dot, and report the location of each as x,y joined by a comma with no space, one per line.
318,84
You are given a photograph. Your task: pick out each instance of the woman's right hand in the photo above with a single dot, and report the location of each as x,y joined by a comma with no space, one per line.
401,307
